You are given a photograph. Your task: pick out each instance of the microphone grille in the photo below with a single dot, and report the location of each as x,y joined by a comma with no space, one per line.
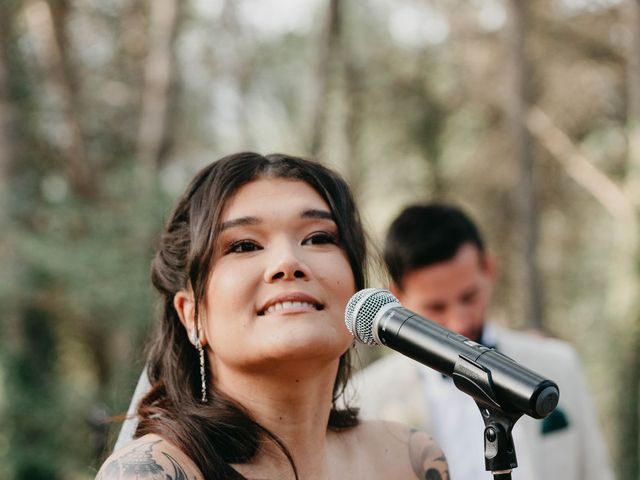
361,312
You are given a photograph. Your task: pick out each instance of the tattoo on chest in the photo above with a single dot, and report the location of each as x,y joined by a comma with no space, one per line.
427,459
140,464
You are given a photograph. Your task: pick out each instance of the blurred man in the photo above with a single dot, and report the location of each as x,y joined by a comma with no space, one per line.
440,270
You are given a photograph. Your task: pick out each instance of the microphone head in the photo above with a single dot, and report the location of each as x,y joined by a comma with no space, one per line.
361,312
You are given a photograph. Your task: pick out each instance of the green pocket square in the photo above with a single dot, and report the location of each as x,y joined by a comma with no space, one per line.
557,420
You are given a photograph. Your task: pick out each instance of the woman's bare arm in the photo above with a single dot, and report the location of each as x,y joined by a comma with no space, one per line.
148,457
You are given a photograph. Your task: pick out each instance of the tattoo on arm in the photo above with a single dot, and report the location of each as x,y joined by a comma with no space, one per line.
427,460
139,463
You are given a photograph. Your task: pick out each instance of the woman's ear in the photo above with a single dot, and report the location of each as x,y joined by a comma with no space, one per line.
184,303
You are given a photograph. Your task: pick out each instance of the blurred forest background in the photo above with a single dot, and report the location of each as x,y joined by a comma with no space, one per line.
527,113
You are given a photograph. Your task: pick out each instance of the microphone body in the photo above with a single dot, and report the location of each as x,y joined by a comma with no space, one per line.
375,317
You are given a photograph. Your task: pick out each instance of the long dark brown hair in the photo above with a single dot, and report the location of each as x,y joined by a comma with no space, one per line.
221,432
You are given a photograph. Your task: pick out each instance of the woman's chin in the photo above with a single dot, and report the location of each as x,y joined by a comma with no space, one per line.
296,350
301,346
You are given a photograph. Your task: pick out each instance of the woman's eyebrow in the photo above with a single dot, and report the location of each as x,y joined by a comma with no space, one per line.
239,222
313,213
242,221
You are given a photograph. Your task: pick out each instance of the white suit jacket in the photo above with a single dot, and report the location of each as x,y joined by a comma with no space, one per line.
567,446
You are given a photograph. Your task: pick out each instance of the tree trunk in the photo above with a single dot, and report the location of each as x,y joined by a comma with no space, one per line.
7,118
629,438
158,78
239,65
353,125
328,64
516,109
48,25
633,114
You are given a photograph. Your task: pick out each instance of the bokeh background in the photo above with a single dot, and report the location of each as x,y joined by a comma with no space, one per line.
526,113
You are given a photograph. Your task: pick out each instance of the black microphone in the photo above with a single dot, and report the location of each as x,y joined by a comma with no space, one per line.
375,317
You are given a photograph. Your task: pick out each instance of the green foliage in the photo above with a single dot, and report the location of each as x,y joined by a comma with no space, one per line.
81,303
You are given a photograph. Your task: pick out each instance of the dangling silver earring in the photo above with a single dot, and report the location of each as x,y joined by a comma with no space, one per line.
203,376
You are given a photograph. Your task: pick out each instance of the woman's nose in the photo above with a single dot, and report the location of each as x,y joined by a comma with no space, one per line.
286,265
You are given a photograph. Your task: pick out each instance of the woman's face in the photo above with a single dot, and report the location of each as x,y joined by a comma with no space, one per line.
280,280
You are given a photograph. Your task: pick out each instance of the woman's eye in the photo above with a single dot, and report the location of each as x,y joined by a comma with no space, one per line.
242,246
320,238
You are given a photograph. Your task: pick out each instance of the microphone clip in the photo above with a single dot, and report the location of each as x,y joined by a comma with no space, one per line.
499,450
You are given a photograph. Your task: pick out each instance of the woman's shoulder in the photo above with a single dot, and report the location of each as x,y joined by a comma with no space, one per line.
395,450
149,456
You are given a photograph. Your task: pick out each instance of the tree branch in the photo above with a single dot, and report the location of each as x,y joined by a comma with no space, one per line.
577,166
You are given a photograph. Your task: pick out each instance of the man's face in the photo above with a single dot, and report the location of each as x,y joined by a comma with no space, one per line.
453,293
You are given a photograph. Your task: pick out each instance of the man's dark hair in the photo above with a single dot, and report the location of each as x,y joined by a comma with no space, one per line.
427,234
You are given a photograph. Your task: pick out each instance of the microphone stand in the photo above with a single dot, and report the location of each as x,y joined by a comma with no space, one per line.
499,450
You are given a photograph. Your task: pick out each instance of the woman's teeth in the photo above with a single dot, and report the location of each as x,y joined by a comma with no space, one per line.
278,307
